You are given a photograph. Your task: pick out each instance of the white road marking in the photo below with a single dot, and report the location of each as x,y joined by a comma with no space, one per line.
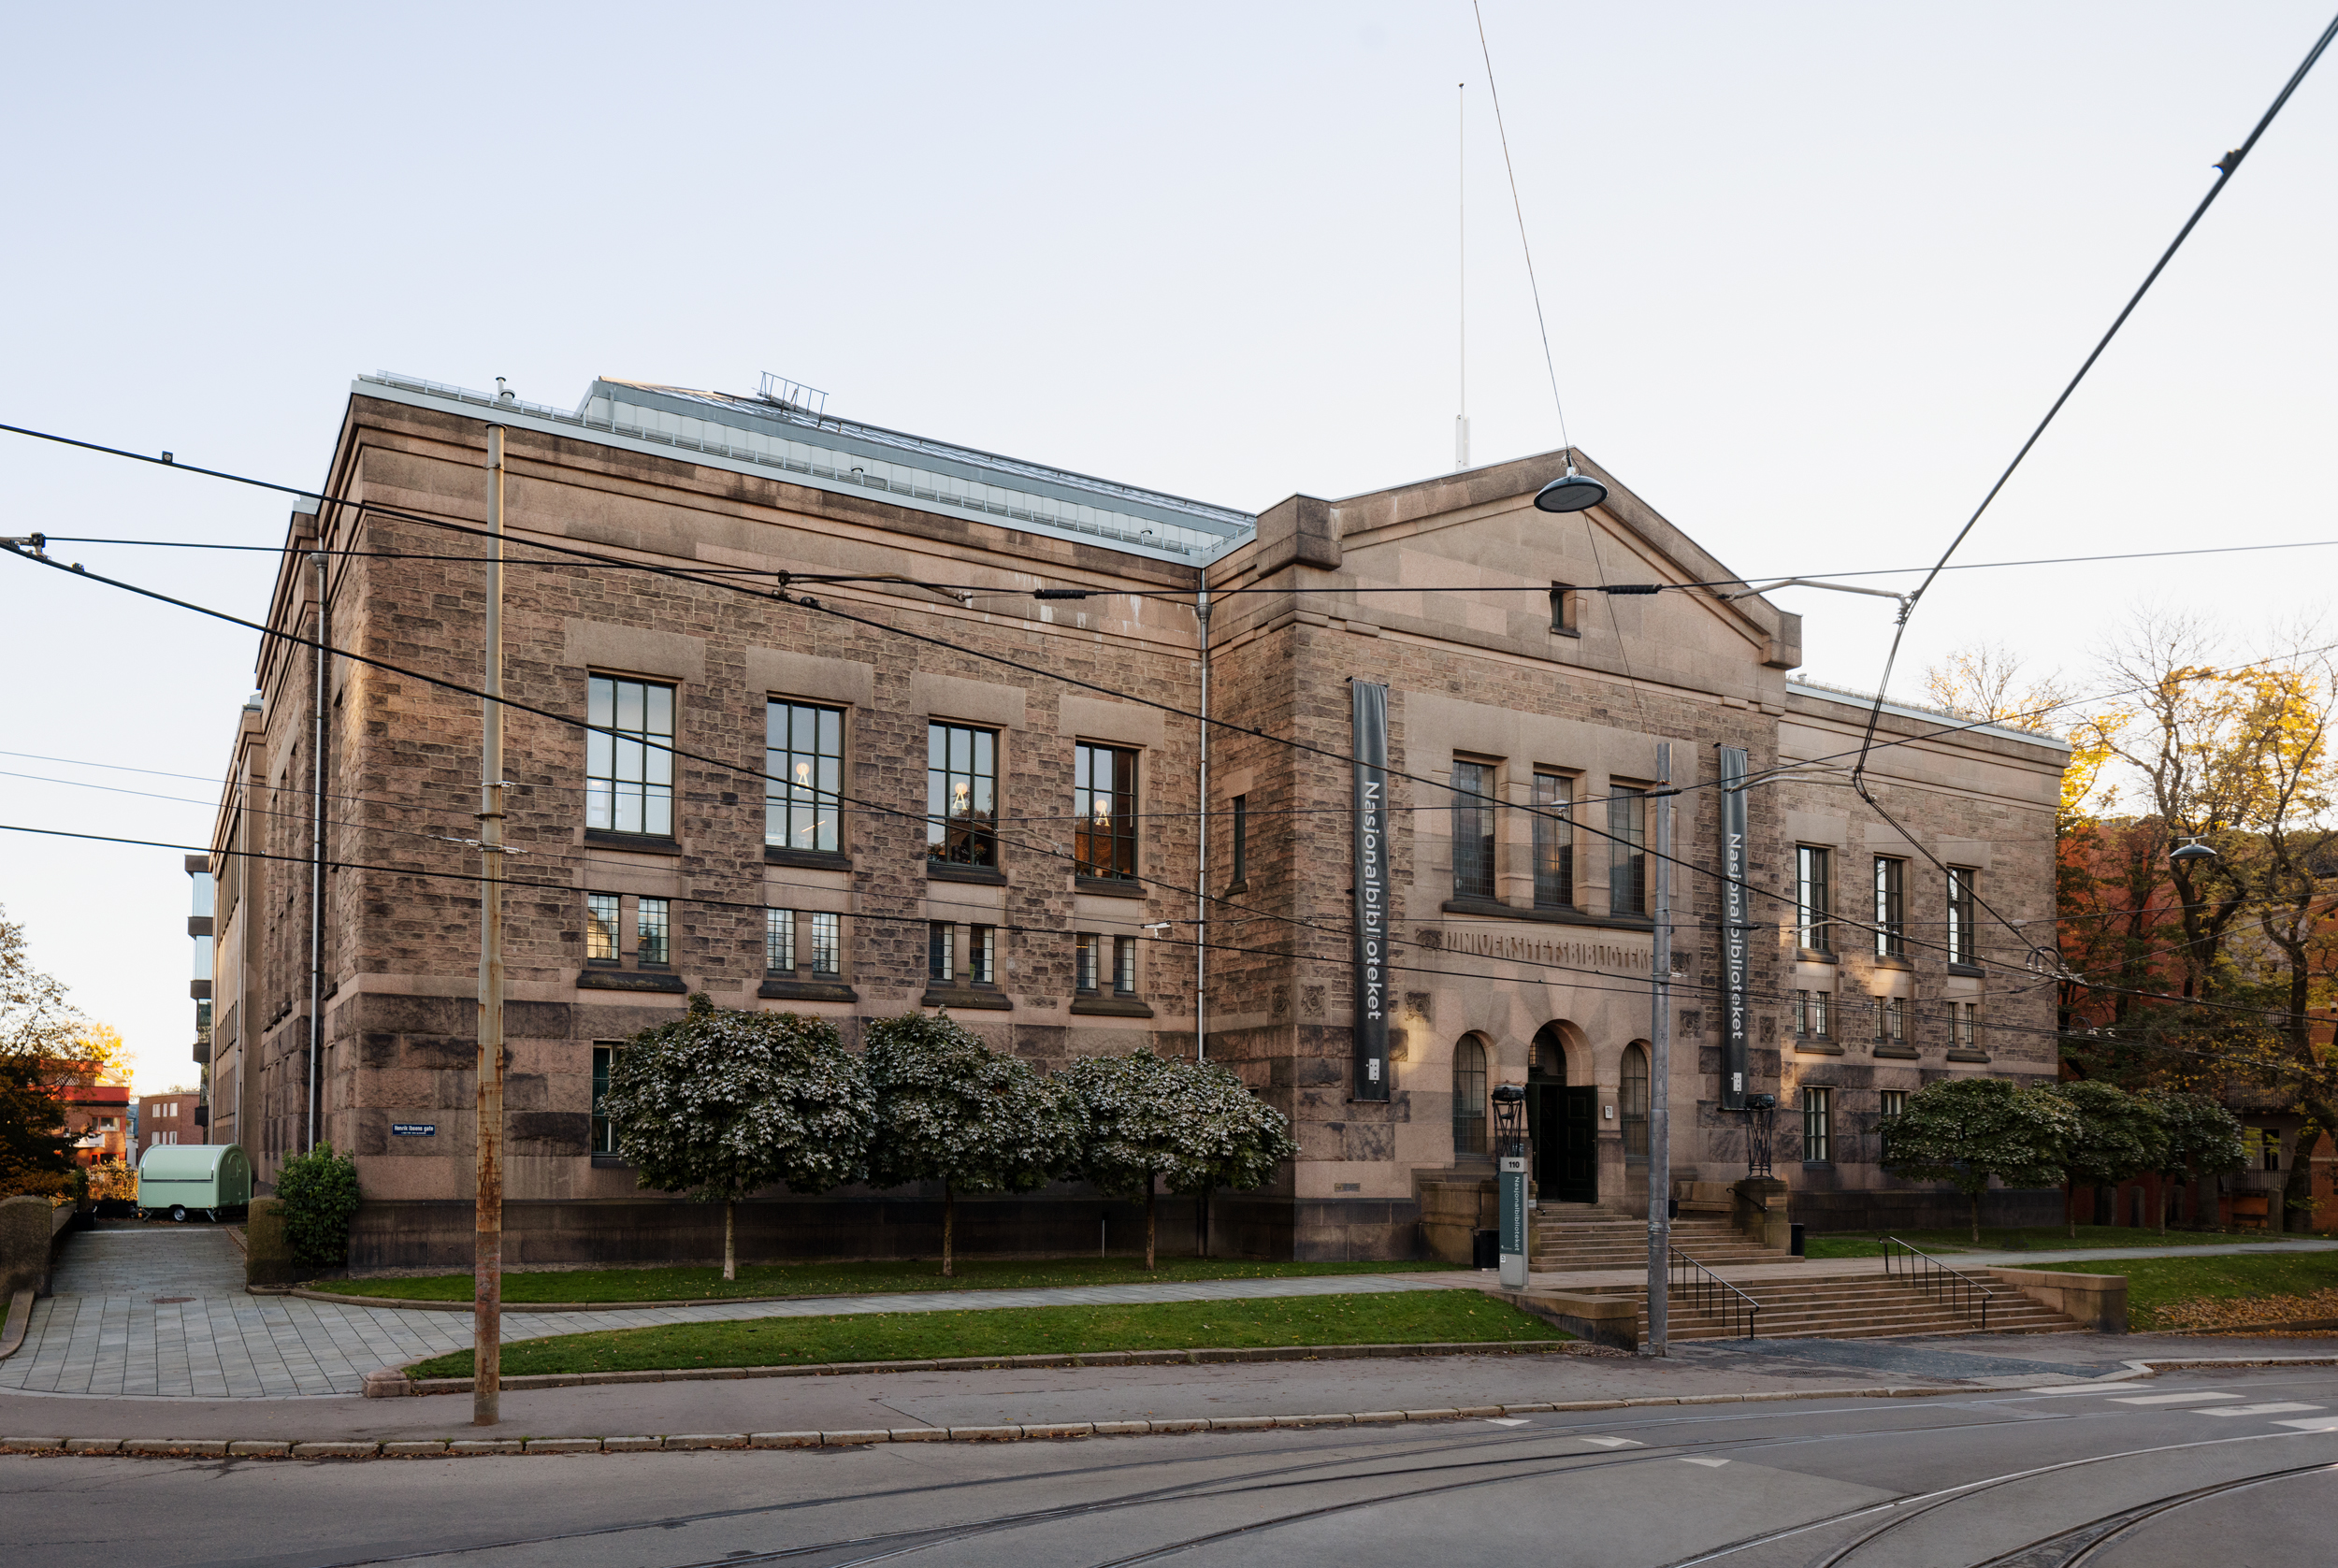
1634,1443
2313,1423
1507,1420
2255,1409
1708,1463
2170,1398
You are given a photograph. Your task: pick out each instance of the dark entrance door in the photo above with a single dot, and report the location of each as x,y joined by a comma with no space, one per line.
1565,1129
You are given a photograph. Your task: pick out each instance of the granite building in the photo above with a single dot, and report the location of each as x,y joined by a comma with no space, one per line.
815,715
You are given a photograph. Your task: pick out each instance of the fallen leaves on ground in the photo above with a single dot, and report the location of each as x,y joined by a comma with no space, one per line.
2208,1313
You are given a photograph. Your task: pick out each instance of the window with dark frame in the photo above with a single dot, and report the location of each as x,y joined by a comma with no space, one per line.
941,948
1961,898
601,928
1889,1104
1473,829
962,795
1890,1021
982,956
1633,1093
803,751
827,944
629,775
1811,900
604,1136
1087,961
1104,811
1563,602
1627,850
1469,1097
653,927
1818,1126
1968,1025
779,942
1554,842
1241,838
1891,907
1810,1014
1124,966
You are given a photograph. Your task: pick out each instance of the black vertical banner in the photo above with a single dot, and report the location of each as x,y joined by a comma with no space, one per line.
1371,897
1737,1023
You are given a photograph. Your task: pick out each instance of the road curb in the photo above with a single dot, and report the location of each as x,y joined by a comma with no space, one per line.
392,1383
1035,1432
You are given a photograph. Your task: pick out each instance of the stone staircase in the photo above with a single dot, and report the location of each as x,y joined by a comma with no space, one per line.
1843,1305
1583,1240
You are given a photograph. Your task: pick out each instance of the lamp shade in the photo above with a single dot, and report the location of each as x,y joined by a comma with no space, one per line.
1571,492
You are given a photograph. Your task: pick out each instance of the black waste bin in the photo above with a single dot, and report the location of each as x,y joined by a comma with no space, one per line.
1485,1249
1793,1241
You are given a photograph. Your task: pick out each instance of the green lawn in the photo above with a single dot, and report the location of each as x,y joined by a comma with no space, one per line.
2030,1238
2185,1292
1402,1318
843,1279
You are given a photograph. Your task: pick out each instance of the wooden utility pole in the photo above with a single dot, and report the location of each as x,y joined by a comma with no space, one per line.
487,1255
1660,1069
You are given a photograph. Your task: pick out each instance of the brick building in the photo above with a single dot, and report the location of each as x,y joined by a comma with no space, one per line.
933,787
168,1118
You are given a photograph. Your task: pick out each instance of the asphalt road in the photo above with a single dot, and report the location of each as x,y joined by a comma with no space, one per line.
2239,1468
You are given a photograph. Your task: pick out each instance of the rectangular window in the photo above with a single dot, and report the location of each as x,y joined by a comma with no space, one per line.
1627,850
1554,842
1812,907
604,1137
828,945
1891,908
601,927
652,924
1890,1021
1818,1124
1563,602
779,940
1104,811
941,946
1968,1025
803,751
1241,838
1088,961
629,775
1961,898
982,956
1810,1014
1891,1101
1124,966
962,795
1473,830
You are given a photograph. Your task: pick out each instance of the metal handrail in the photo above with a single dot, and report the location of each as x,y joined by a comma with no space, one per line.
1924,1269
1690,1277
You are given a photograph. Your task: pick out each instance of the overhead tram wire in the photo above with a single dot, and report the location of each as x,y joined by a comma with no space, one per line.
1632,985
737,769
740,770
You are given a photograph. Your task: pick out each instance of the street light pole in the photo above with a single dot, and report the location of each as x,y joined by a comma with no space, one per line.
1660,1069
487,1243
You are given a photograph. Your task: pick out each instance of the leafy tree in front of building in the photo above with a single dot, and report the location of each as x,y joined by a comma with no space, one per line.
2117,1135
722,1103
1191,1126
1967,1130
317,1195
951,1109
2201,1138
37,1028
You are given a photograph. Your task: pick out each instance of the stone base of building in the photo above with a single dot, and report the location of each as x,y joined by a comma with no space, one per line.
422,1235
1888,1209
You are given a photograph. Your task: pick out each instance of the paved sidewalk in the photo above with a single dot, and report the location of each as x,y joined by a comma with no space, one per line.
239,1347
1803,1268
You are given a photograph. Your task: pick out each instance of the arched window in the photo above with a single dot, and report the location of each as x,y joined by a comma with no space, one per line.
1469,1097
1635,1098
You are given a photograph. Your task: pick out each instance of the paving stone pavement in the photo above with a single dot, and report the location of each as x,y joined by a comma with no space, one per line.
120,1341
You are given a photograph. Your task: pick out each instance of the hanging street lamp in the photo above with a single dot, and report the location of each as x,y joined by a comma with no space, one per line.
1570,491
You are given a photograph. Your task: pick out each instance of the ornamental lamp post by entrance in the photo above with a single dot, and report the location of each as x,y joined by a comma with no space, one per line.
1509,1149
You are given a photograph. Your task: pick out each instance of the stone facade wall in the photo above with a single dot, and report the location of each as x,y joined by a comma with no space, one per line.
1438,590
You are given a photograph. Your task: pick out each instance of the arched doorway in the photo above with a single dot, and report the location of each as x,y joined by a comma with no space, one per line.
1563,1121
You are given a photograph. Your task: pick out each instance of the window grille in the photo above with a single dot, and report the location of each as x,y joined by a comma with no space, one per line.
1469,1097
601,927
1812,897
1818,1124
1627,850
1473,830
1962,895
1104,811
1891,937
962,795
629,775
941,940
1634,1094
1554,842
804,755
827,944
982,956
779,940
652,925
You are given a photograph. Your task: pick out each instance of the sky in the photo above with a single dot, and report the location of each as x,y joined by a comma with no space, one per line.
1812,273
